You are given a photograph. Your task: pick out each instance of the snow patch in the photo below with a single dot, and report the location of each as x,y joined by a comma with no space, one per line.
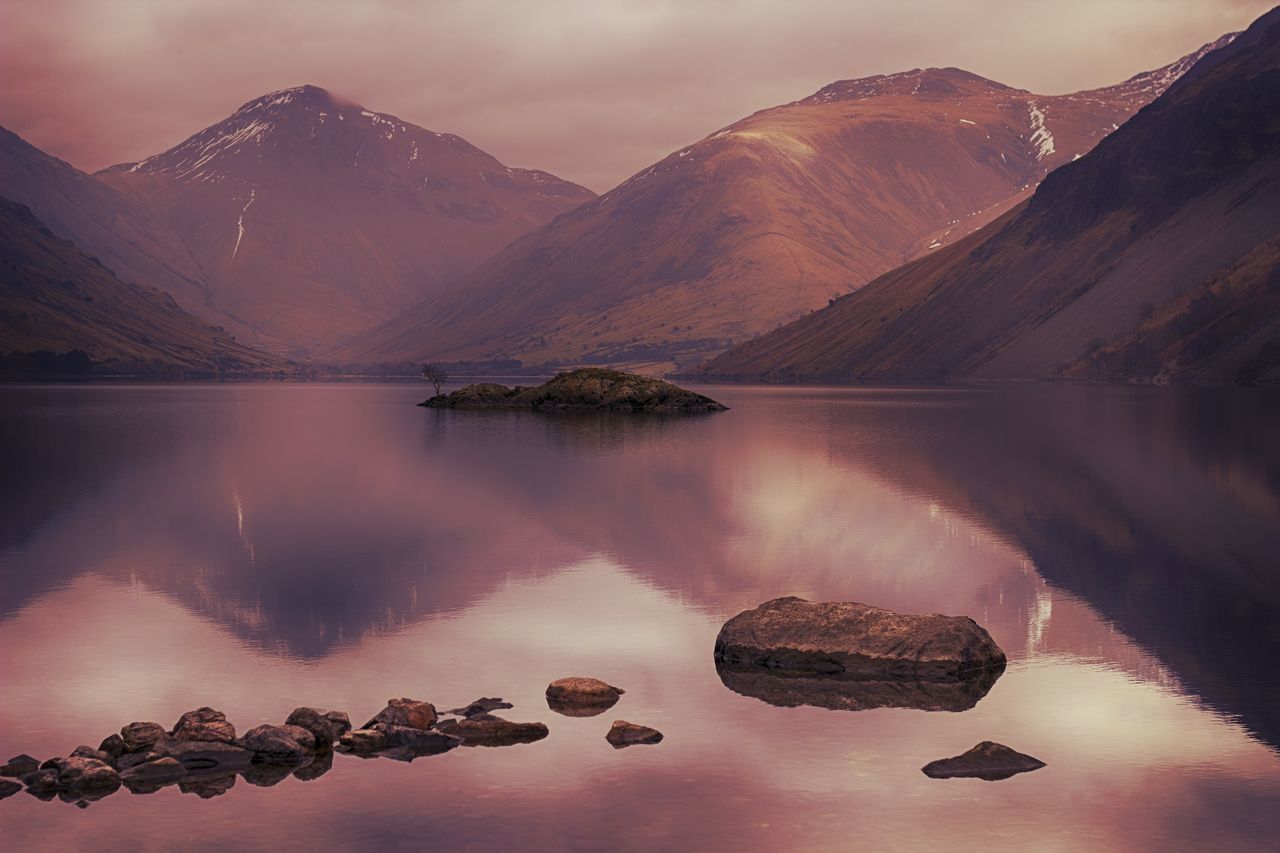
253,193
1041,138
966,121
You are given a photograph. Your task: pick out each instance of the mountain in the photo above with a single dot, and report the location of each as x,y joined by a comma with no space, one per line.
55,298
1154,258
762,222
311,218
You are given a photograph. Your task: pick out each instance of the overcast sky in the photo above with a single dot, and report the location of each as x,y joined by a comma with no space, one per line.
592,90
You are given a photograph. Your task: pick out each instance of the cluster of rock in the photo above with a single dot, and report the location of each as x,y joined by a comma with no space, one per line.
590,388
202,753
851,656
590,697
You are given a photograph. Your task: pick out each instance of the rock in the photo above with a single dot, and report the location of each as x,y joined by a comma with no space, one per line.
97,754
77,773
20,765
325,726
204,754
622,734
204,724
278,743
8,788
137,736
42,783
791,635
484,729
589,388
481,706
113,745
363,740
988,760
421,741
581,697
162,771
409,713
133,759
854,692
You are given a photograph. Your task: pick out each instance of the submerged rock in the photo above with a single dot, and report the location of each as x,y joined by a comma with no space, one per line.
484,729
325,726
622,734
581,697
799,637
483,705
589,388
409,713
204,724
138,736
20,765
988,760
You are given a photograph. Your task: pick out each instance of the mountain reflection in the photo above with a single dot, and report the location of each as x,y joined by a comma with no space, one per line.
302,518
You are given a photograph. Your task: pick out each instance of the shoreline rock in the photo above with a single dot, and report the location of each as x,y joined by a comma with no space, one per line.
586,389
988,760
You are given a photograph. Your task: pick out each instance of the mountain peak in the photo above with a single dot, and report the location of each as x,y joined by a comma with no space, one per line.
304,96
922,82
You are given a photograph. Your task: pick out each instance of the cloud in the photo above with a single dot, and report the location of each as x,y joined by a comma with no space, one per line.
593,91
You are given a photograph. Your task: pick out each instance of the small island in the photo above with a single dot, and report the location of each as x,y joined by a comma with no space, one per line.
586,389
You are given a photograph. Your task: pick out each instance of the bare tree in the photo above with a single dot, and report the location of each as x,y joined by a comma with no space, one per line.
435,374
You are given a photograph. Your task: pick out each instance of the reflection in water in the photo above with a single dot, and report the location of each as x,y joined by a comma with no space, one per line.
858,693
337,546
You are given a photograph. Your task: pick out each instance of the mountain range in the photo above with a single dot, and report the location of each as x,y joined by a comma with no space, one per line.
1155,258
762,222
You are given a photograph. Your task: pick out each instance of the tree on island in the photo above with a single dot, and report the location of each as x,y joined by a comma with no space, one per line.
435,374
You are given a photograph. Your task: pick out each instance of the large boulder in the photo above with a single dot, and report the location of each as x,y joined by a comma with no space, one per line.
20,765
581,697
409,713
283,744
988,760
484,729
794,636
325,726
138,736
622,734
204,724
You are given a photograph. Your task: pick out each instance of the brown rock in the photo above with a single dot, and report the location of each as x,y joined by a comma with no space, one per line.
325,726
153,774
363,740
988,760
420,741
285,744
96,754
20,765
581,697
622,734
204,754
409,713
484,705
133,759
204,724
113,745
138,736
77,773
8,788
804,638
484,729
42,783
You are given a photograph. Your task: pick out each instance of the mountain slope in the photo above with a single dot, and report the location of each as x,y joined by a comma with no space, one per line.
762,222
311,218
54,297
1156,258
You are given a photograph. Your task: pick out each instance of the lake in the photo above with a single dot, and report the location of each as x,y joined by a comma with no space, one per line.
258,547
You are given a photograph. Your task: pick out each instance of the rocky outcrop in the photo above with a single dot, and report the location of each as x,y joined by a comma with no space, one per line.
798,637
581,697
588,389
622,734
204,724
988,760
325,726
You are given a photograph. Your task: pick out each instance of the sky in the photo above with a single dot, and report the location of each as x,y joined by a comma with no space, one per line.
591,90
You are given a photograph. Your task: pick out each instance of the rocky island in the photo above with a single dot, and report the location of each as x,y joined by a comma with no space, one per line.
587,389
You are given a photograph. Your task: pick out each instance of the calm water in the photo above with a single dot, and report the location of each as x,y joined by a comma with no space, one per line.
259,547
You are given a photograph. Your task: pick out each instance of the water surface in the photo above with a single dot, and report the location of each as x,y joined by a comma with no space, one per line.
259,547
